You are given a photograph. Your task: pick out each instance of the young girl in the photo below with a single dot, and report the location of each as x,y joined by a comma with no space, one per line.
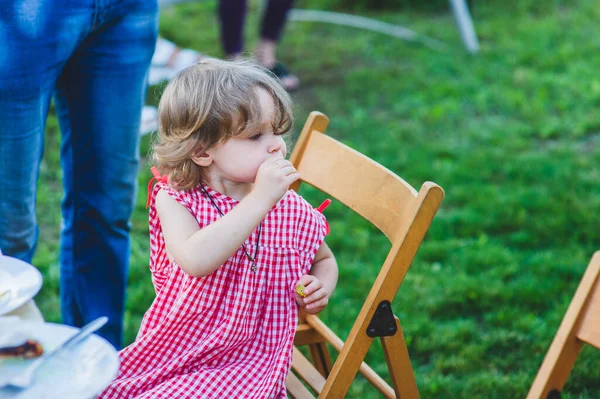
229,243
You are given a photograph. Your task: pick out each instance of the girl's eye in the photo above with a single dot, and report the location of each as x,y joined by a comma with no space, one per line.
256,137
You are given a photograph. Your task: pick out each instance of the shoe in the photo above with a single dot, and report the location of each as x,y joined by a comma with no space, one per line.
288,81
149,121
169,60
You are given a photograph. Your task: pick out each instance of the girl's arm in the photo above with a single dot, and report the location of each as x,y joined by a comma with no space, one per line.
320,283
197,251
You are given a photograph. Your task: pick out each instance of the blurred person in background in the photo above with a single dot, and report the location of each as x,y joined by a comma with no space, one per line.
92,56
169,59
232,15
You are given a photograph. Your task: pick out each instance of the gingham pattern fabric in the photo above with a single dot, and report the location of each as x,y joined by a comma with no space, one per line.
229,334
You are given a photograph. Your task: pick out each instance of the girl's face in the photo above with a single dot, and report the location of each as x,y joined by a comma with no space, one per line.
238,159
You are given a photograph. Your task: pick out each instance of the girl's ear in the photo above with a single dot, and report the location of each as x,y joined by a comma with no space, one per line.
201,158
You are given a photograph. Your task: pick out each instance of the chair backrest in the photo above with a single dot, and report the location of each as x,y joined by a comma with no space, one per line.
580,325
353,179
388,202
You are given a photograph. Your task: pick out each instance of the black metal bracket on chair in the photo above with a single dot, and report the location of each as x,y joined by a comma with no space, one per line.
554,394
383,323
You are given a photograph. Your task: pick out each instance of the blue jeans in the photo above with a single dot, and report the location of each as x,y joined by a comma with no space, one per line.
93,56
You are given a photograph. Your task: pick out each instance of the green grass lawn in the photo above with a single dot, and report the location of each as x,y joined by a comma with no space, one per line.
512,136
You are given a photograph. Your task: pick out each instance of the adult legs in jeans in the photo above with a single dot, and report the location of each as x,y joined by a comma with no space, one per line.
96,55
232,15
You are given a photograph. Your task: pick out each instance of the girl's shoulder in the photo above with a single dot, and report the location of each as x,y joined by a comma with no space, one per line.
184,196
192,199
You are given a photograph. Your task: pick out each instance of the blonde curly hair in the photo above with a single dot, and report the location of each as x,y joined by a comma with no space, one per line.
207,104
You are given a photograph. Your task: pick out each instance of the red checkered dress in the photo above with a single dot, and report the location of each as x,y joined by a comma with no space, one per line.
229,334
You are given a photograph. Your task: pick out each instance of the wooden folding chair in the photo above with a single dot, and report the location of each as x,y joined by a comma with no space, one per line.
403,215
581,325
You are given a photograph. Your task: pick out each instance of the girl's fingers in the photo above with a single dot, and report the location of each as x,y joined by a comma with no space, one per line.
281,163
313,286
273,159
289,179
315,296
288,170
320,304
300,301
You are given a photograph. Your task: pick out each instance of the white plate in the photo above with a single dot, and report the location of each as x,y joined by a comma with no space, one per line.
81,372
19,282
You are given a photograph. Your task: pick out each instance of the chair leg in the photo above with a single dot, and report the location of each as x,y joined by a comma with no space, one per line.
398,362
556,367
320,357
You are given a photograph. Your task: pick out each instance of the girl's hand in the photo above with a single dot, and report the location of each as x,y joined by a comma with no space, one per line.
316,298
274,178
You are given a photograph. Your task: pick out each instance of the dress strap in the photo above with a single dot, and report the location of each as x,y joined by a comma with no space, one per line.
320,209
156,178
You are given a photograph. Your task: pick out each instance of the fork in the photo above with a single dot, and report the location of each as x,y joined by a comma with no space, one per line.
24,378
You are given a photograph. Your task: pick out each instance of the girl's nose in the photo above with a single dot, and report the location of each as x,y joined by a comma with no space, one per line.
278,145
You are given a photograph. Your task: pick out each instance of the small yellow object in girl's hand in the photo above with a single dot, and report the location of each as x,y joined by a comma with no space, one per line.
300,290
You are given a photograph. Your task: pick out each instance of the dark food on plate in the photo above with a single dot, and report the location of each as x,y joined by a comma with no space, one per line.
30,349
